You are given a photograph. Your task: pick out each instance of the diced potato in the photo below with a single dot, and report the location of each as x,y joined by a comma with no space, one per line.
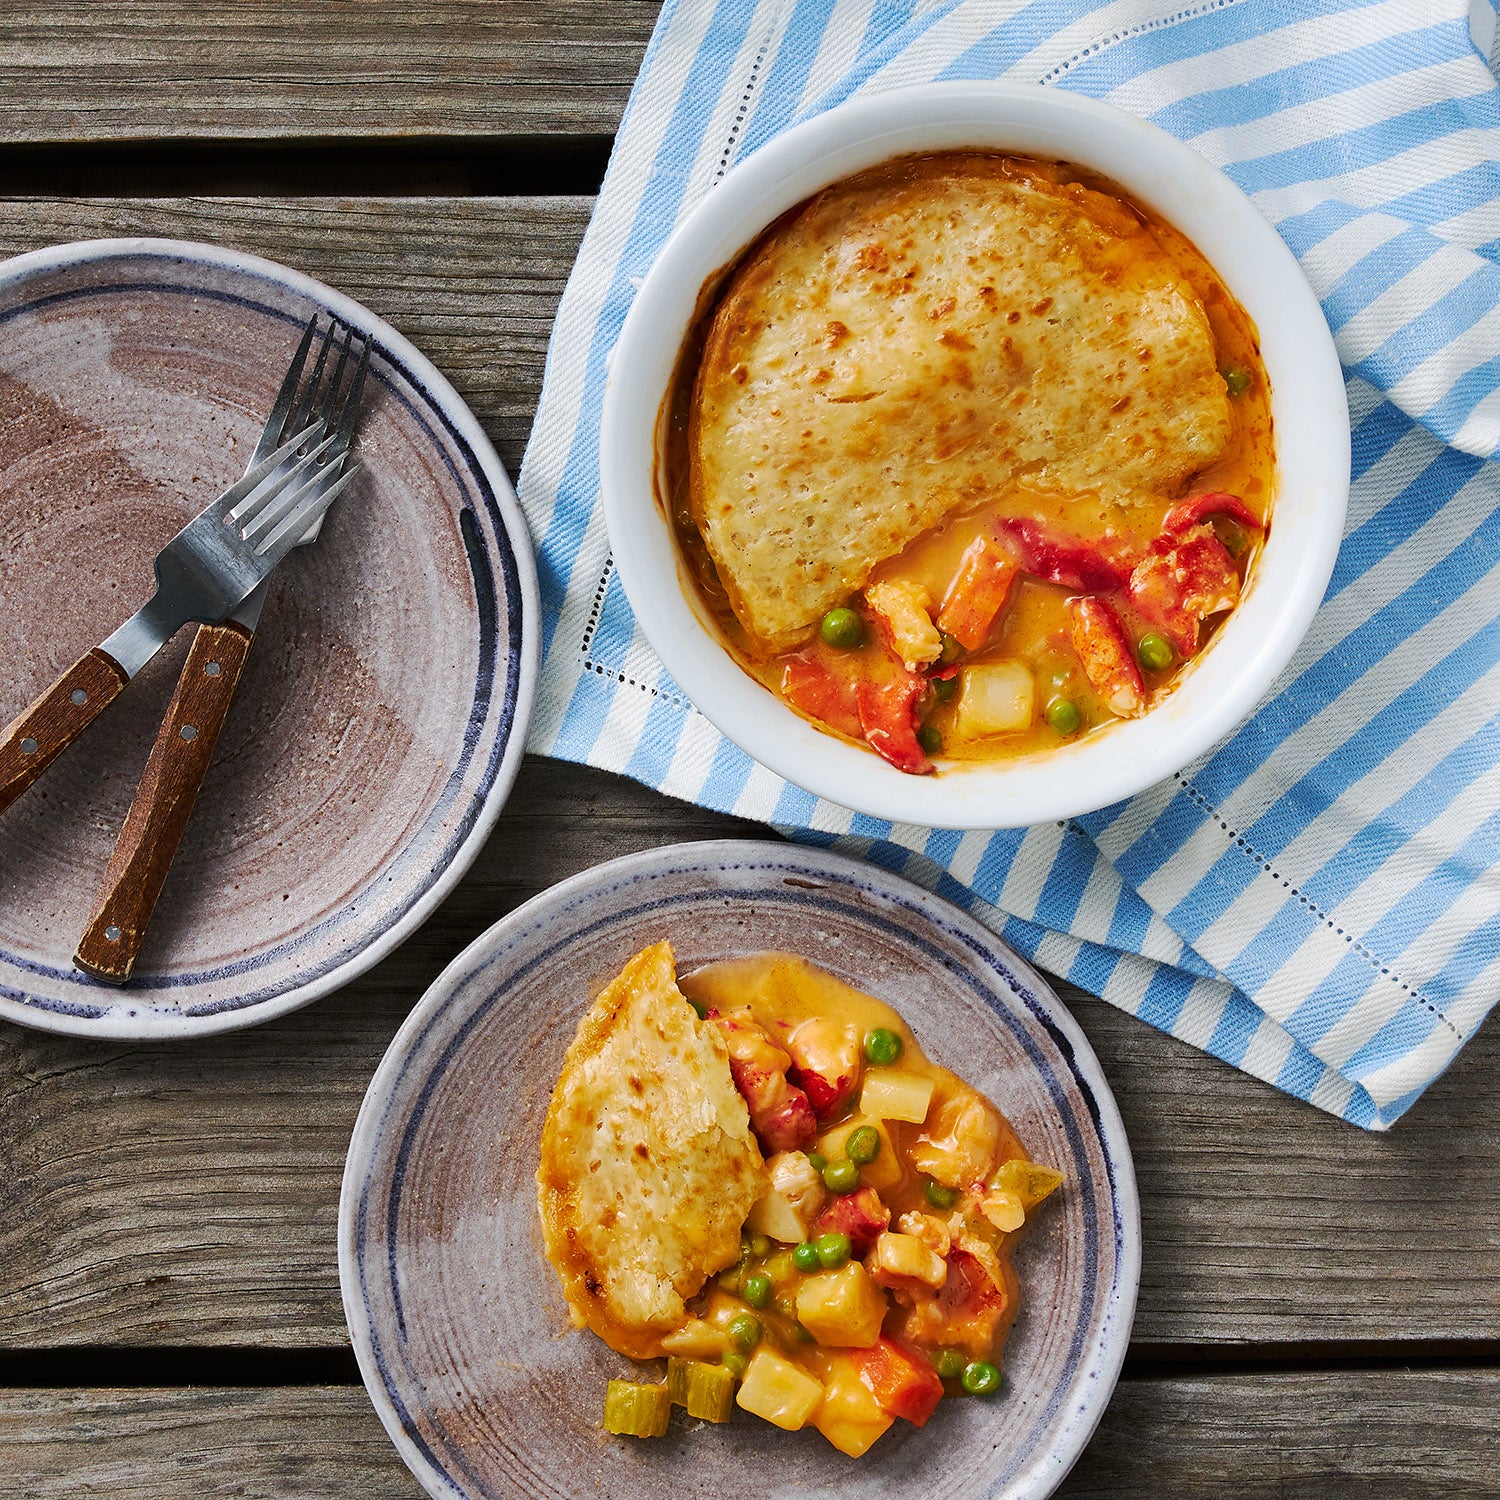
903,1257
995,697
1028,1180
849,1417
905,608
778,1390
893,1094
792,1201
882,1174
842,1309
697,1339
1003,1209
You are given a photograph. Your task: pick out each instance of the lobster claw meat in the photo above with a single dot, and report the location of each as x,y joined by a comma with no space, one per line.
978,592
888,718
1099,639
1091,567
1182,580
1188,513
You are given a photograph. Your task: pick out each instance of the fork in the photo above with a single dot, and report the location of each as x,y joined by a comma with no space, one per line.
184,747
204,572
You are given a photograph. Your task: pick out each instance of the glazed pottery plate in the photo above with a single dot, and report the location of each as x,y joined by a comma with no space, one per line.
382,713
459,1324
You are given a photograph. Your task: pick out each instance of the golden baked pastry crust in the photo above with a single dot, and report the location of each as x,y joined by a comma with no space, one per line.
917,339
648,1166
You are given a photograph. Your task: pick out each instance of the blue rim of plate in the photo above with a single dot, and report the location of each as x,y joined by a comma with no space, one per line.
996,967
497,544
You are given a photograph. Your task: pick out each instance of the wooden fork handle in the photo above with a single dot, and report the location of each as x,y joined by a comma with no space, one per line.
31,742
163,802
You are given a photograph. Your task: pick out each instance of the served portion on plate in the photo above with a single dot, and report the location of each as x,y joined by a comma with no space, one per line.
970,453
767,1122
460,1321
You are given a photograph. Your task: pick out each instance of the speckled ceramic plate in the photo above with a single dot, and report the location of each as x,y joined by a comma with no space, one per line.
458,1322
381,717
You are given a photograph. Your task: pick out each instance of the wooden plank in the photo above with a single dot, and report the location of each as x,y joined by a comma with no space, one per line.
187,1196
72,70
1365,1436
474,283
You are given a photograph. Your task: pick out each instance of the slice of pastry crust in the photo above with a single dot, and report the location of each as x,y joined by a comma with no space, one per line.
648,1167
914,341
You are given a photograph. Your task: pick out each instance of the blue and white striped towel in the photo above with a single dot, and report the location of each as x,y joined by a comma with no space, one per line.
1317,901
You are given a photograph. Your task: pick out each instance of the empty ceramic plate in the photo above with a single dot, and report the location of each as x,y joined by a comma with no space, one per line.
382,713
458,1322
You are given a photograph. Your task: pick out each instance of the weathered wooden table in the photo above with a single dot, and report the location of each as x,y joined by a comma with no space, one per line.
1320,1308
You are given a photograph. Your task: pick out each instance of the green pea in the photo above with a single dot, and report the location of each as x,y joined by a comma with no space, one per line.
700,1010
980,1378
843,629
757,1290
943,688
759,1245
952,650
938,1195
818,1160
833,1250
863,1145
1236,381
841,1176
1155,652
950,1364
734,1362
745,1331
930,738
882,1046
805,1257
1063,716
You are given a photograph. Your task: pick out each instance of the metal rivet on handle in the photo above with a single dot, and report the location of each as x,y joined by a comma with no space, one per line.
80,697
212,669
188,732
112,933
28,746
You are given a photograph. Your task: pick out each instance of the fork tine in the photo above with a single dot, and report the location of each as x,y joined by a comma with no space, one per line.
272,501
308,514
275,427
349,413
302,414
230,502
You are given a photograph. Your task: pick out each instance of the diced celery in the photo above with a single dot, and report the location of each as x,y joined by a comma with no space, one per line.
1028,1180
704,1391
636,1410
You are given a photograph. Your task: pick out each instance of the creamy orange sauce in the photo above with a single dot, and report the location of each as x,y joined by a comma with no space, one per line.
784,993
1033,627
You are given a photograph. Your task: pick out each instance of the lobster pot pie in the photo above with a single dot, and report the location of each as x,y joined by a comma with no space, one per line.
869,1276
955,438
